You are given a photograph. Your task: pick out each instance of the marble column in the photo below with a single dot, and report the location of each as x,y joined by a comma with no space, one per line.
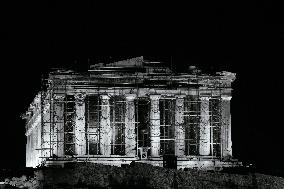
226,141
105,129
179,126
155,125
47,135
80,137
28,151
130,142
58,125
204,133
39,159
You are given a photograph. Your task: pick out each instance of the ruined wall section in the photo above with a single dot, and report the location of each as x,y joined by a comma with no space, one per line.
33,120
37,132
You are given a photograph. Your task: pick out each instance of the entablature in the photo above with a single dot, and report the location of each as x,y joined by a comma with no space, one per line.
145,92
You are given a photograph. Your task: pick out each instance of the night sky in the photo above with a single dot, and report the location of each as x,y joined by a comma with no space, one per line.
247,42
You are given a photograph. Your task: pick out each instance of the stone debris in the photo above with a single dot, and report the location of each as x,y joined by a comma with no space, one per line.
139,175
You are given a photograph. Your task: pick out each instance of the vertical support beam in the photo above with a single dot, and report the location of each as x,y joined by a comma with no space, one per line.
130,142
28,151
31,150
45,136
39,144
179,126
155,125
204,133
105,130
34,134
226,139
58,125
34,154
80,137
47,141
48,134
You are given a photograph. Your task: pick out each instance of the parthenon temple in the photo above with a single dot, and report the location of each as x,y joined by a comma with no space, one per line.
131,110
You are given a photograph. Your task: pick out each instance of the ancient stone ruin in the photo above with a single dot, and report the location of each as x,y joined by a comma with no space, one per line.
132,110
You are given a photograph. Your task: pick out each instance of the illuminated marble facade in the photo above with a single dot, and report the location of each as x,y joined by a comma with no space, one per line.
131,110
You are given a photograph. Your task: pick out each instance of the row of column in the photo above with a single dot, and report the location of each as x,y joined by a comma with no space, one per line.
204,139
105,126
105,129
130,142
79,130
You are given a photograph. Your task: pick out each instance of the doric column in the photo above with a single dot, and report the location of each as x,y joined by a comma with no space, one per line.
57,125
34,152
46,144
155,125
105,130
204,134
130,142
226,141
179,126
80,137
28,151
39,144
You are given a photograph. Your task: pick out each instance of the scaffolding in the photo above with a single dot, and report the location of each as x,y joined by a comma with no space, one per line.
60,138
58,131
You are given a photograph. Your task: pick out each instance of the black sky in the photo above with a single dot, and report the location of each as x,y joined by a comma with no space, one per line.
248,42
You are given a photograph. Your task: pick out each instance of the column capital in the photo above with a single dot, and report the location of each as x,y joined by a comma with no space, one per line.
79,96
204,98
130,97
154,97
58,96
104,97
180,96
228,98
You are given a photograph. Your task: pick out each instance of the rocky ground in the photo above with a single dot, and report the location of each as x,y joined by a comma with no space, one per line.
138,175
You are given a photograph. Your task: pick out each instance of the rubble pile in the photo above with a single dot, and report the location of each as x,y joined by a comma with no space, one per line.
23,182
139,175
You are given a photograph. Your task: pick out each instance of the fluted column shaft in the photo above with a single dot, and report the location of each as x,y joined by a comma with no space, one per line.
179,126
105,129
130,142
204,134
80,137
155,125
58,125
